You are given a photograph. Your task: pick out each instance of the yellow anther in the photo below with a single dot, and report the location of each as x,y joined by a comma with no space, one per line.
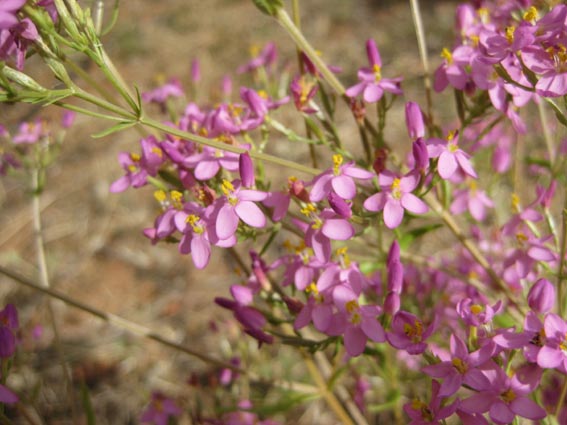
510,34
132,168
531,15
475,39
355,318
203,132
157,151
508,396
476,309
308,210
472,185
451,135
515,203
352,306
521,238
396,192
227,187
484,14
377,69
176,196
473,275
337,161
192,220
160,196
254,50
414,332
342,251
312,289
458,364
135,157
446,54
317,224
263,94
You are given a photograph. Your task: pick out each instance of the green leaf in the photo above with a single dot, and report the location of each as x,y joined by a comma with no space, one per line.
115,128
87,405
408,238
285,403
269,7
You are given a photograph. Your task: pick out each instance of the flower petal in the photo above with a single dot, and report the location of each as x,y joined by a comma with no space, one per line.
250,213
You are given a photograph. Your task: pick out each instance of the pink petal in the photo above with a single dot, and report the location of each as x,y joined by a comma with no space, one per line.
250,213
337,229
227,222
372,93
355,90
501,413
373,329
7,396
200,252
527,408
344,187
375,202
393,214
413,204
447,165
321,187
252,195
465,164
355,341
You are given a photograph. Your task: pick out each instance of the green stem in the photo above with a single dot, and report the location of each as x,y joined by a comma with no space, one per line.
222,146
87,97
294,32
561,265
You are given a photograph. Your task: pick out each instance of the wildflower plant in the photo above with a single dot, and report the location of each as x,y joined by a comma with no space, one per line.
401,266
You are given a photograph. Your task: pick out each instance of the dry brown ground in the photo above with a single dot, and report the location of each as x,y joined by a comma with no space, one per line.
96,252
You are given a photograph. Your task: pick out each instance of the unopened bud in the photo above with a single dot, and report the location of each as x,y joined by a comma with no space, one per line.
392,303
246,169
541,297
414,120
269,7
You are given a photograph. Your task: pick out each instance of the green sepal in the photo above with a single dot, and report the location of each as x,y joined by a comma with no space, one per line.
269,7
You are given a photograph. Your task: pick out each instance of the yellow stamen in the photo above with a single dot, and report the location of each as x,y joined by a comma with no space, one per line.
476,309
461,367
446,54
352,306
508,396
396,192
531,15
515,203
160,196
157,151
337,161
377,69
135,157
510,34
308,210
192,220
227,187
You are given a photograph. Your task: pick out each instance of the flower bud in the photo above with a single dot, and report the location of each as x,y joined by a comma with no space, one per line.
269,7
394,252
414,120
372,53
395,276
392,303
339,205
226,86
541,297
246,169
195,71
420,155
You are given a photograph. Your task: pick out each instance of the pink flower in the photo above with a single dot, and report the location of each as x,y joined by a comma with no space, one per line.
505,397
265,58
160,410
339,179
9,324
473,200
396,197
434,412
372,85
238,205
450,156
461,368
409,333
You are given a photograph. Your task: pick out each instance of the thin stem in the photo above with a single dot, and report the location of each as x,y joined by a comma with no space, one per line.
87,97
329,397
429,198
44,279
421,43
294,32
561,399
147,333
546,132
561,265
222,146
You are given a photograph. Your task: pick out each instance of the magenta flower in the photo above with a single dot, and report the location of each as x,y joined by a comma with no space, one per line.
7,396
476,314
541,297
30,132
339,179
454,70
9,324
303,89
265,58
161,94
323,227
434,412
409,333
372,85
357,323
8,10
238,205
504,399
450,156
472,200
318,309
554,353
551,65
414,121
396,197
194,223
160,410
461,368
